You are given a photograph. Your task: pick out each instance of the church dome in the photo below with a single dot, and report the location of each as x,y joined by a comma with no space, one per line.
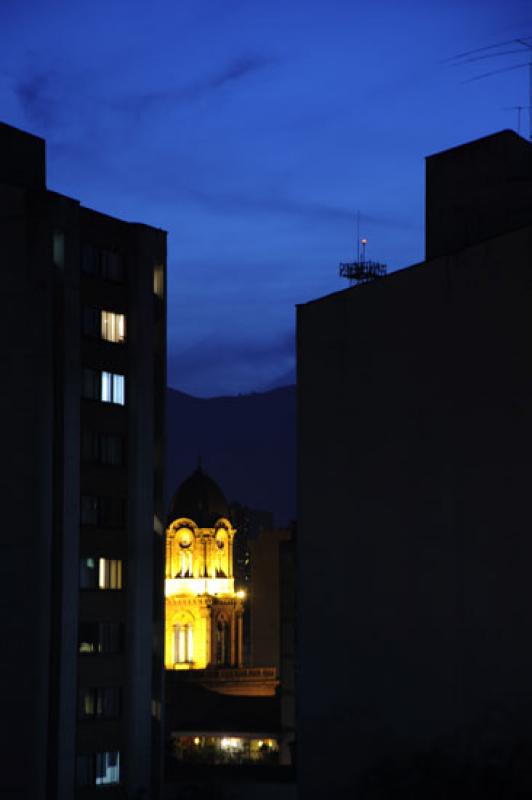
200,499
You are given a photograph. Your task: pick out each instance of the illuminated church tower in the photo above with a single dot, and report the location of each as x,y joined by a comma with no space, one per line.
204,614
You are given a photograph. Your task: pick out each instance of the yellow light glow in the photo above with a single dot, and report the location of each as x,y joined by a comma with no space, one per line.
196,740
229,743
199,589
199,586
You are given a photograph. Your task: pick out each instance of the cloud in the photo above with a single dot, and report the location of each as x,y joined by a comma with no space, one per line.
279,204
220,365
235,70
36,96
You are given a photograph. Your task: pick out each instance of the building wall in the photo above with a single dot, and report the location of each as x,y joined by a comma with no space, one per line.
477,191
26,433
45,474
415,434
265,597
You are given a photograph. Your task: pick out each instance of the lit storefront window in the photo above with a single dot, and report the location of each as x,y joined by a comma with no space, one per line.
225,749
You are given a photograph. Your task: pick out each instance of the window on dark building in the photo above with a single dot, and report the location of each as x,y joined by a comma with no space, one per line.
98,769
91,384
158,280
102,448
111,265
113,388
91,322
90,260
102,263
105,512
102,324
108,387
89,510
100,573
100,637
111,449
113,326
58,248
112,512
100,702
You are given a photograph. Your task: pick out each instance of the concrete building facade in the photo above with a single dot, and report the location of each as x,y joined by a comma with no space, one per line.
415,442
82,408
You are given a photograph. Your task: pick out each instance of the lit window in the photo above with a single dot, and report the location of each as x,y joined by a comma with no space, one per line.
119,390
102,702
108,387
158,280
113,326
58,249
94,769
100,573
110,573
112,389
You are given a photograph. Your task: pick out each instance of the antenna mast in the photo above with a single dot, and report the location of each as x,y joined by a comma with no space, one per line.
525,43
482,53
362,270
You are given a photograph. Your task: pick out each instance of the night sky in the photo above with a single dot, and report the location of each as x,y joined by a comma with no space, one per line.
253,131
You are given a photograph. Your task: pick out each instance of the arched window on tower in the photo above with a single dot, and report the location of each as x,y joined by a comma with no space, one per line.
183,643
185,554
185,570
222,643
220,557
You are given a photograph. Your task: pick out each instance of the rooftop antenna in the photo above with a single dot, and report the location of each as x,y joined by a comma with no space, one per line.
482,53
518,109
528,45
362,270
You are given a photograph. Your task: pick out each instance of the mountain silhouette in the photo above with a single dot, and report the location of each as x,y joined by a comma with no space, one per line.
246,444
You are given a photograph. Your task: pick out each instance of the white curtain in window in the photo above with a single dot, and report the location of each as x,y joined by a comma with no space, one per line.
113,326
119,390
110,573
106,395
107,768
120,327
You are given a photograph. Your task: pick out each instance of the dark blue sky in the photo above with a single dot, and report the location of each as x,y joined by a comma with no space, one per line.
252,131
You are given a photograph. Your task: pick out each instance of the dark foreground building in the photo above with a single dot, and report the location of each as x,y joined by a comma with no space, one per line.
415,467
81,411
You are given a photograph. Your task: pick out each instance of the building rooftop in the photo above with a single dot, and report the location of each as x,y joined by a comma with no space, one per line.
200,499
